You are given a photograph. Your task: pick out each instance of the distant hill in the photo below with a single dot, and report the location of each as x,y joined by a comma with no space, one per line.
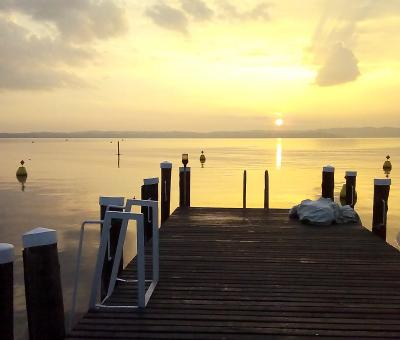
367,132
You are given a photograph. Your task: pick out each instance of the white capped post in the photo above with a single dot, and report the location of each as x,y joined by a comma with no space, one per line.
6,291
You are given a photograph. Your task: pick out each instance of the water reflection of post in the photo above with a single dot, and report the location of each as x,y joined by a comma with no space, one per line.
278,153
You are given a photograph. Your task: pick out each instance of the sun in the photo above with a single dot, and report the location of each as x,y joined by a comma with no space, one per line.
279,122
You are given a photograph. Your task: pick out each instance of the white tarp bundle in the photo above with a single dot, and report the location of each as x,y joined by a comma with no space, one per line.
323,212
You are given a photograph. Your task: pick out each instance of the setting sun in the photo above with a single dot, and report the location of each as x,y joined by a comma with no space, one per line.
279,122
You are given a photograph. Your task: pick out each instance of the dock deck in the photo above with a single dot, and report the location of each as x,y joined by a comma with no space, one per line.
255,274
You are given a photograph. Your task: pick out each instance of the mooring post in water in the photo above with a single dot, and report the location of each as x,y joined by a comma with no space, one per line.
351,188
184,187
266,190
166,168
380,208
6,291
244,188
149,192
328,182
43,292
113,203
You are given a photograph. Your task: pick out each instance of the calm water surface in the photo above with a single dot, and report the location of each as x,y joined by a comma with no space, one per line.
67,177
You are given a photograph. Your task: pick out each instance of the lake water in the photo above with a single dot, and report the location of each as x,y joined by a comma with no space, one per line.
66,178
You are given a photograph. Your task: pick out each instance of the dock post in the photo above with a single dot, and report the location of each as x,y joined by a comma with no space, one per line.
184,195
104,202
166,168
149,191
351,188
380,208
328,182
266,190
244,188
43,292
6,291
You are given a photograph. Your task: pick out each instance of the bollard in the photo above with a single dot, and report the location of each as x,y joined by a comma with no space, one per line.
166,168
104,202
149,192
184,187
380,208
6,291
43,292
351,188
328,182
266,190
244,188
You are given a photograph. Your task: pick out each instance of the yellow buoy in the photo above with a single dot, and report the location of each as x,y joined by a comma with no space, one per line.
202,158
21,171
387,166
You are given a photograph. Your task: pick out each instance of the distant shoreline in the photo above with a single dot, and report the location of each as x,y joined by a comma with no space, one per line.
366,132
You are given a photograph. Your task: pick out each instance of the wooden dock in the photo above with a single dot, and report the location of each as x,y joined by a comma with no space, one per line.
255,274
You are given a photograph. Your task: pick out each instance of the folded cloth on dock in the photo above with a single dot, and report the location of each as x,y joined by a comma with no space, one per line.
323,212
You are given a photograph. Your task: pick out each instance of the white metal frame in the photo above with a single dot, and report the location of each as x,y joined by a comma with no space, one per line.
125,216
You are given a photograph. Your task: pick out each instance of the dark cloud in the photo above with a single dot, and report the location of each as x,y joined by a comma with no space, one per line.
168,17
341,66
198,9
77,20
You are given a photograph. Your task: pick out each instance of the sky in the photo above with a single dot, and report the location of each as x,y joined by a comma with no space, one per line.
198,65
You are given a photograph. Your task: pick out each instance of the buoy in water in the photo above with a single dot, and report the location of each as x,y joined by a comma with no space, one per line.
202,158
343,195
387,166
21,171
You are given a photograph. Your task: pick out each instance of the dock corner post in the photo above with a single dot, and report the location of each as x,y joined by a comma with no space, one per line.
6,291
166,168
184,187
380,207
266,190
244,189
149,191
328,182
43,292
105,202
351,188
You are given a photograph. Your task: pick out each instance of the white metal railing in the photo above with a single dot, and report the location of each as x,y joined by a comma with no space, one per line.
143,295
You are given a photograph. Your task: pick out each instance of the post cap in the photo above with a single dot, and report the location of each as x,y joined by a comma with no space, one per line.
150,181
382,181
166,165
111,200
182,169
328,168
39,237
351,173
6,253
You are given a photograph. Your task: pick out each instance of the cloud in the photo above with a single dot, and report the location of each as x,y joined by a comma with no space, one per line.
197,9
258,12
168,17
76,20
341,66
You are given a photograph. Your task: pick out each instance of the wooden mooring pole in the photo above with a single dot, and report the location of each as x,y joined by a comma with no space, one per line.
328,182
266,190
184,187
44,299
244,189
380,208
104,202
351,188
6,291
166,168
149,191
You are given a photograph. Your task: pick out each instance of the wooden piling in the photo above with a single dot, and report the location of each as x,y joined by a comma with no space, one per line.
184,187
266,190
6,291
43,292
149,191
380,207
328,182
166,168
104,202
244,188
351,188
